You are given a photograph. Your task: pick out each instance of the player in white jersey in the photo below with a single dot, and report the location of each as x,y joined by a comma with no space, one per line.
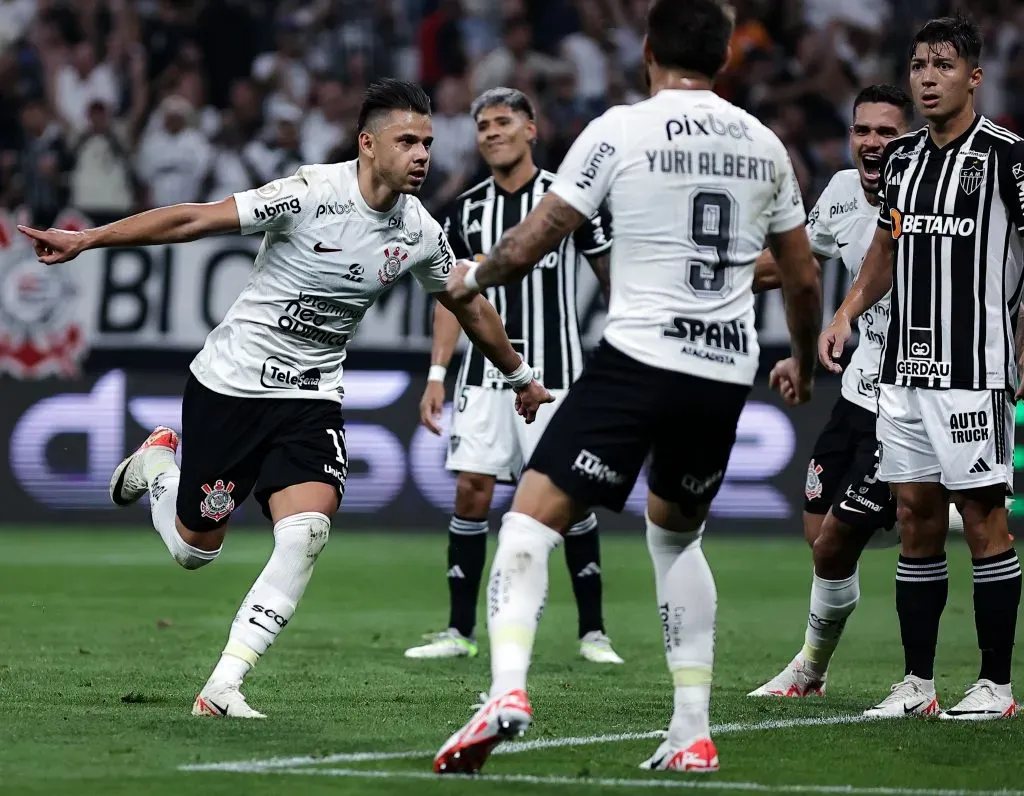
262,404
845,501
488,443
696,186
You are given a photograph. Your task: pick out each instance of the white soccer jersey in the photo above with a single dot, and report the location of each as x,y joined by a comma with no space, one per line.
842,225
325,258
694,185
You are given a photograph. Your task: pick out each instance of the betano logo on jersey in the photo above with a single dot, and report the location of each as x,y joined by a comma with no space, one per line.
927,224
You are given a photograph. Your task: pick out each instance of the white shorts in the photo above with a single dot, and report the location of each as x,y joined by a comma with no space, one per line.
962,439
489,438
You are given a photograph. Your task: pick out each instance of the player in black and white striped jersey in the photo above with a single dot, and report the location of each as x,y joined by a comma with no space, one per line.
950,245
488,444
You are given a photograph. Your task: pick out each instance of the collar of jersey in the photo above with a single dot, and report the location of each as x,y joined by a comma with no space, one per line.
360,203
528,185
956,142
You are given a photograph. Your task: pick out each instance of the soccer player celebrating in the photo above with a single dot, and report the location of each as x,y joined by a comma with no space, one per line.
845,501
696,186
487,443
950,246
261,407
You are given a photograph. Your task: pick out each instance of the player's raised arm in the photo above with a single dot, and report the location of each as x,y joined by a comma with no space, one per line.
446,336
172,224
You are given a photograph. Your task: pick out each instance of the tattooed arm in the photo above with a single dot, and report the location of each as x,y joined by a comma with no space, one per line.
522,246
601,264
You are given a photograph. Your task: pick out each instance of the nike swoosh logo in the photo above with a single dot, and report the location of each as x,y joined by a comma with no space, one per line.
908,709
319,248
845,505
254,622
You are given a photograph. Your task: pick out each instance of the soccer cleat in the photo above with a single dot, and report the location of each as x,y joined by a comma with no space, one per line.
984,701
912,696
223,702
596,647
500,718
793,681
698,756
448,643
128,483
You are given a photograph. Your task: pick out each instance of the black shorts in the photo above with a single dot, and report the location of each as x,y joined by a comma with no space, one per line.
230,445
843,472
619,412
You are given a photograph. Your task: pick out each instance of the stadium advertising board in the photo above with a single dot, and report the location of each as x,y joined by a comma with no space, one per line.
168,298
63,439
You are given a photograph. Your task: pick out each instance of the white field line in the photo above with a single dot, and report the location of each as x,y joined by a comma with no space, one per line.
512,747
690,782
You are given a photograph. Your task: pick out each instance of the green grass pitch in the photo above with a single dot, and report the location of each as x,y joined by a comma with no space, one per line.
104,643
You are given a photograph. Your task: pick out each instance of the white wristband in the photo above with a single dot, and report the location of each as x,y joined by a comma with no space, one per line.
436,373
521,377
470,279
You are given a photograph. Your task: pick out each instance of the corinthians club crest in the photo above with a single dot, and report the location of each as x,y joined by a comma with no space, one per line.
218,502
392,265
40,330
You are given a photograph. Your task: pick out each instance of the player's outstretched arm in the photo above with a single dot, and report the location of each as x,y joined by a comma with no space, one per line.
870,286
520,248
484,328
800,278
446,337
172,224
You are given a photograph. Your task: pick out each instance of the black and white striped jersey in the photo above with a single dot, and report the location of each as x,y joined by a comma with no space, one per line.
956,214
539,313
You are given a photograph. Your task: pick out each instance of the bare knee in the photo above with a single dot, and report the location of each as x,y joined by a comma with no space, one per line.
985,522
473,495
837,548
922,511
812,527
537,496
672,517
208,541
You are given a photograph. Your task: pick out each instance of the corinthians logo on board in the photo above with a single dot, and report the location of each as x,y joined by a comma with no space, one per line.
40,333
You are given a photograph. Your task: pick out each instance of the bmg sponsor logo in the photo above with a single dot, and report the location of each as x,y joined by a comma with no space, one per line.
595,158
273,210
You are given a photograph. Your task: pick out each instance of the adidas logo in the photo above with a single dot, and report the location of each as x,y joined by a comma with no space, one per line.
980,466
590,569
456,572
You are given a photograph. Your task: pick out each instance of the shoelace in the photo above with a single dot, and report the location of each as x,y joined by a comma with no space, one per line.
895,692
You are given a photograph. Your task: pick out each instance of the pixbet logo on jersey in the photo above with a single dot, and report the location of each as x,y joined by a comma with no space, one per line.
927,224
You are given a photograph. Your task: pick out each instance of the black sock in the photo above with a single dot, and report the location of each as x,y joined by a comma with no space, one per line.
467,551
996,600
922,585
583,557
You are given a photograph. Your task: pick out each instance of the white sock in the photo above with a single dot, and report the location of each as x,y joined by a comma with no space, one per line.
516,593
832,602
163,475
270,603
687,601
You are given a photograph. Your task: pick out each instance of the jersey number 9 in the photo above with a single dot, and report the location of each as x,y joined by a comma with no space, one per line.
711,217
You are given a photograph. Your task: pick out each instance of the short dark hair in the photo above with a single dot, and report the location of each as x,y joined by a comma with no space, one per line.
502,96
692,35
960,32
389,94
887,94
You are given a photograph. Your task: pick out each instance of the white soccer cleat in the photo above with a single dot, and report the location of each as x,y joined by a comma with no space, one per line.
223,702
793,681
984,701
448,643
596,647
697,756
912,696
503,717
128,483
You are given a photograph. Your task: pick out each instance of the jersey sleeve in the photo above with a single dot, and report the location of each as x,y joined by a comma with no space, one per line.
279,206
585,176
884,217
819,232
787,212
595,236
453,232
1011,184
438,258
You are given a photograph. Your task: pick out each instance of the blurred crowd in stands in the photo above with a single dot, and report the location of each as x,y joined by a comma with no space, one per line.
112,106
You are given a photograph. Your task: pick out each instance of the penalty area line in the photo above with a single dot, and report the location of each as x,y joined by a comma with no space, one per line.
511,747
